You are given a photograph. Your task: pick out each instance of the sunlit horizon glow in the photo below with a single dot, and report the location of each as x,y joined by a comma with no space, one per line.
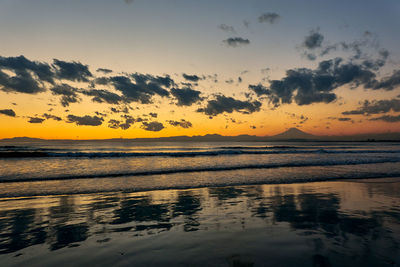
113,69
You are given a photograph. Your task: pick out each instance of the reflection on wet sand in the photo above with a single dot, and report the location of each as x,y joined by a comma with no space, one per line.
315,224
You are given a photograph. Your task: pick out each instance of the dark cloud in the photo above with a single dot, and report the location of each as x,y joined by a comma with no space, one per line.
35,120
306,86
29,75
68,94
73,71
313,40
344,119
246,24
85,120
115,124
186,96
123,109
8,112
387,118
376,107
269,17
153,115
192,78
236,41
387,83
259,89
226,28
153,126
50,116
104,96
103,70
182,123
141,87
228,104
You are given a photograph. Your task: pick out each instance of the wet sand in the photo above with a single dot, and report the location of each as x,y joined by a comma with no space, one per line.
338,223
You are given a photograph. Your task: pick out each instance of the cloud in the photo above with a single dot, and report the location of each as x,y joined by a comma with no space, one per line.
182,123
192,78
85,120
68,94
306,86
186,96
115,124
28,75
376,107
387,83
269,17
344,119
259,89
387,118
8,112
228,104
73,71
313,40
153,114
35,120
103,70
50,116
129,1
153,126
236,41
104,96
141,87
226,28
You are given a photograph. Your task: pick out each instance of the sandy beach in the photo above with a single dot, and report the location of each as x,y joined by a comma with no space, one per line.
338,223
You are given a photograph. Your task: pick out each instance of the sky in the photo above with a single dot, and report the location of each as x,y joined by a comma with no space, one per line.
94,69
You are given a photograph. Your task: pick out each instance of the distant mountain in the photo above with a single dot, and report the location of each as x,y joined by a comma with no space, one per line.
293,134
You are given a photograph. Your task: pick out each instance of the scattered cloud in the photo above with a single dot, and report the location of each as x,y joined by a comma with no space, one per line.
313,40
182,123
236,41
35,120
85,120
8,112
192,78
103,70
153,126
228,104
29,75
104,96
50,116
375,107
387,118
186,96
226,28
68,94
269,17
73,71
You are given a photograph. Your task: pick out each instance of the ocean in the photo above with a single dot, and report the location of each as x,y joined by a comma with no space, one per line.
65,167
120,203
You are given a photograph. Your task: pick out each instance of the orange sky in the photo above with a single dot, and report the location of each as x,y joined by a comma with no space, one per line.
229,48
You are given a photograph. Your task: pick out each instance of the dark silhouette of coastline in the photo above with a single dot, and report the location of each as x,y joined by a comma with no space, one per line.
291,135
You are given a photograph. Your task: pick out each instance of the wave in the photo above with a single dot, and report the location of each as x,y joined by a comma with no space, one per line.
202,169
49,154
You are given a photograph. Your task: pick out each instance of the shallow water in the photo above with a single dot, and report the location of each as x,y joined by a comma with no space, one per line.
351,223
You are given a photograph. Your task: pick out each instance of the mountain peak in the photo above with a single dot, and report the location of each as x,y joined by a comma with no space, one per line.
293,133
